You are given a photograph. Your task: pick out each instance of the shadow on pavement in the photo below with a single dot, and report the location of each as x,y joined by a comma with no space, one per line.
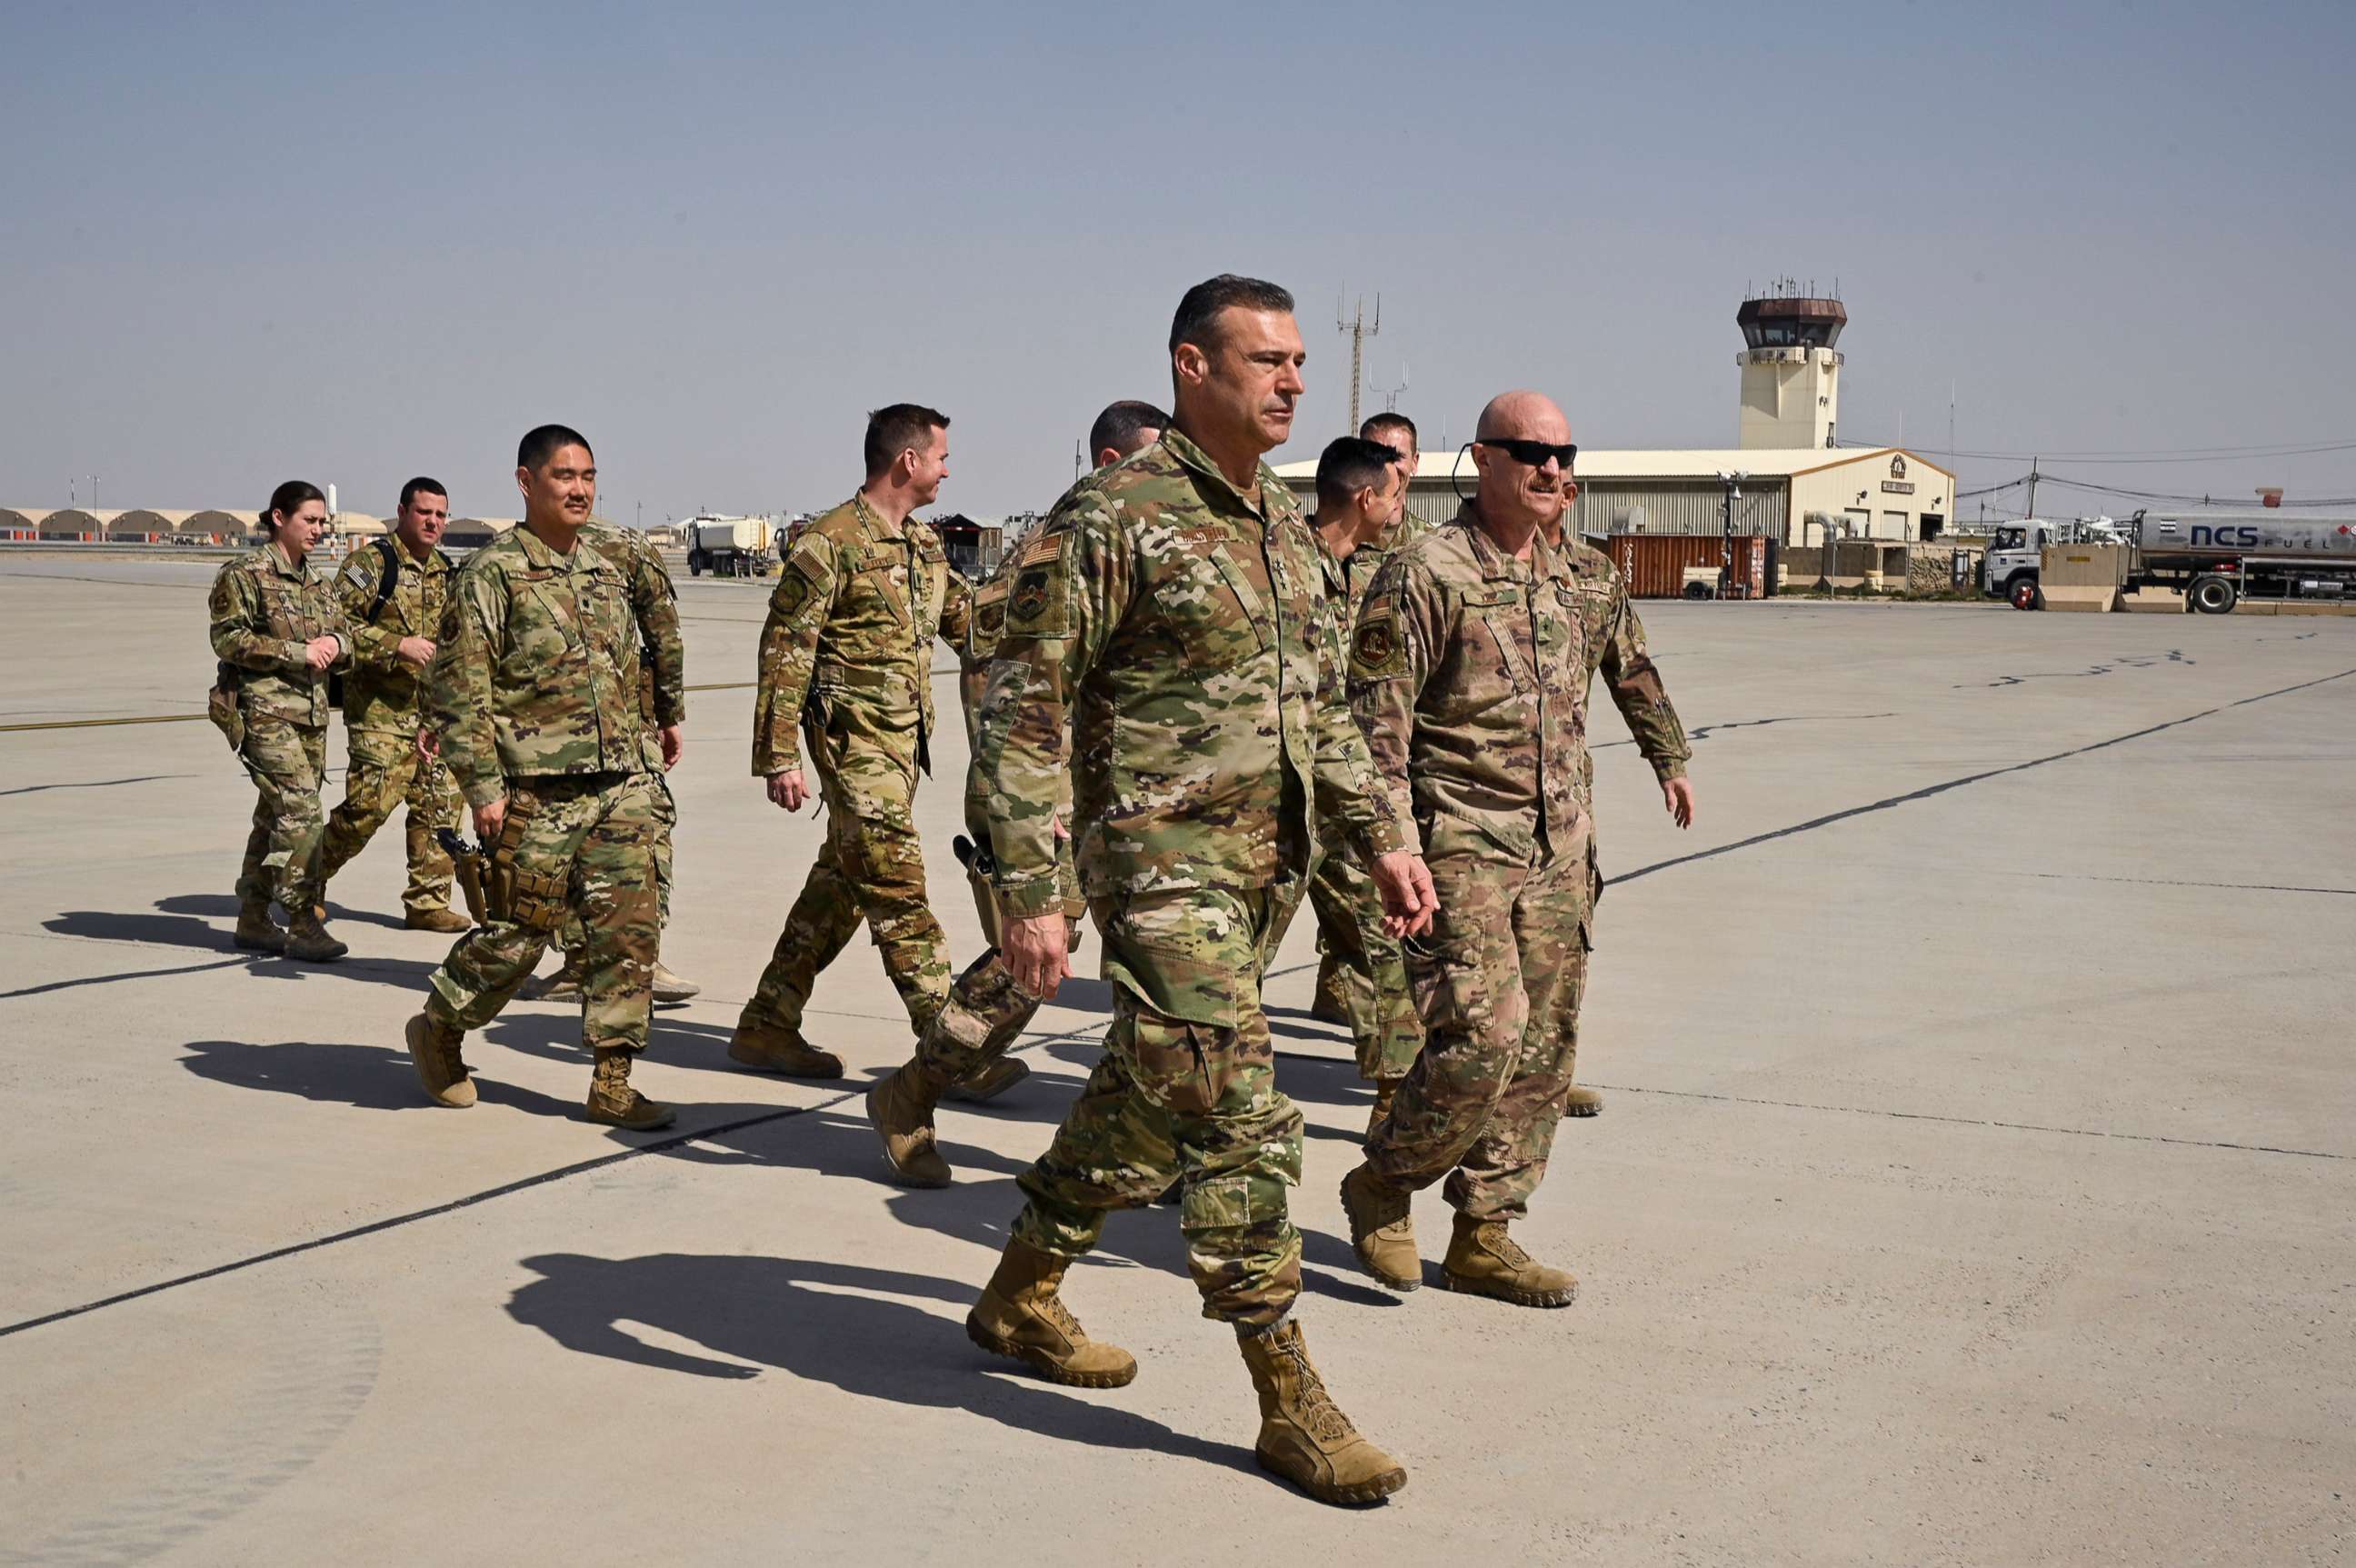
223,906
764,1311
372,1078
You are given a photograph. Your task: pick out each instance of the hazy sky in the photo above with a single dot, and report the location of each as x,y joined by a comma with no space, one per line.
240,243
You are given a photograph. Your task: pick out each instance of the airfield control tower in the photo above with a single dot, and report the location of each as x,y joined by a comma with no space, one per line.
1791,368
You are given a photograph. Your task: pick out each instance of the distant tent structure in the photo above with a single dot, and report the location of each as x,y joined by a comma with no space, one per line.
70,522
473,533
15,525
139,523
220,527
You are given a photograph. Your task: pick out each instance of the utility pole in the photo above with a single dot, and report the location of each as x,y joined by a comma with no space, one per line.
2032,486
1080,458
1359,329
1390,395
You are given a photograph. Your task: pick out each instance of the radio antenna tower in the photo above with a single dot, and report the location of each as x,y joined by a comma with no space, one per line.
1390,395
1360,329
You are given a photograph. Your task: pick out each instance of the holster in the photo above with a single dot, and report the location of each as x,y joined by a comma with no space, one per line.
517,894
976,863
221,706
466,863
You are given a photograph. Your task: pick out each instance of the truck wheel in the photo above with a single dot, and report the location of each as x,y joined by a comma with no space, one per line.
695,563
1697,590
2213,596
2025,595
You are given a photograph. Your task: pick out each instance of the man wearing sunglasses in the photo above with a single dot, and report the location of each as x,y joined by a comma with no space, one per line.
1468,672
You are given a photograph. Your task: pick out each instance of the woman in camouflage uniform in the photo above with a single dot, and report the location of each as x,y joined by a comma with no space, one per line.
278,631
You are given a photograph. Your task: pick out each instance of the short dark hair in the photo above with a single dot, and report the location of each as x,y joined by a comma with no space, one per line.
288,500
895,428
1198,312
1120,425
1350,464
539,445
1390,420
430,487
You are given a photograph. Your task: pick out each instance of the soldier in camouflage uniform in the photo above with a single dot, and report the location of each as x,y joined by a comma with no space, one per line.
662,708
534,692
393,594
1354,989
962,1052
1167,619
846,662
277,632
1615,646
1469,671
1361,522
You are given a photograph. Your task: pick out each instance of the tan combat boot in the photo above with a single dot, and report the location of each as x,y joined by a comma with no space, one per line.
308,940
1582,1102
447,920
988,1082
565,986
766,1047
1385,1090
1382,1229
1304,1435
1483,1260
670,987
901,1107
1021,1315
613,1102
443,1072
256,931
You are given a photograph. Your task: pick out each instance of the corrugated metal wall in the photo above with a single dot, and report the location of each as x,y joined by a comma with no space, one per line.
1608,506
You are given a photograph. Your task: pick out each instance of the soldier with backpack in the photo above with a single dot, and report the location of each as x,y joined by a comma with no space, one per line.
393,593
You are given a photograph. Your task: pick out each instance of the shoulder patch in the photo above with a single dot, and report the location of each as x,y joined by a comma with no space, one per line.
1375,649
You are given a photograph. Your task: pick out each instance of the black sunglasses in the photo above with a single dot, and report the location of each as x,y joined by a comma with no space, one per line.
1533,453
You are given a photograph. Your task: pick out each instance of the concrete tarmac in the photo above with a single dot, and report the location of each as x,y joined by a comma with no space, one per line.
1975,1184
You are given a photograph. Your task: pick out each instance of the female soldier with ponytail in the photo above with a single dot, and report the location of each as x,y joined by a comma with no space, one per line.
278,631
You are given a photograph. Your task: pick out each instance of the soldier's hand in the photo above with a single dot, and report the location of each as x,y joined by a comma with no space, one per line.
416,651
425,744
1038,953
488,821
674,746
787,789
1677,794
1408,899
322,651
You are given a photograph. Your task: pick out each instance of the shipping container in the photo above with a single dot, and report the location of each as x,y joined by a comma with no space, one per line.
1654,563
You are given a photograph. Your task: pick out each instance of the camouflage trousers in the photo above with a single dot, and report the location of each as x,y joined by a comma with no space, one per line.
286,762
871,867
386,773
570,938
1186,1089
579,846
1498,981
1364,967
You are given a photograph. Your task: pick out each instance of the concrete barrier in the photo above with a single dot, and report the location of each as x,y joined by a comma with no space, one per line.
2153,601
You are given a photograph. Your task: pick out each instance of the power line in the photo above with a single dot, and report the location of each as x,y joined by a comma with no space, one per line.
2174,454
2182,500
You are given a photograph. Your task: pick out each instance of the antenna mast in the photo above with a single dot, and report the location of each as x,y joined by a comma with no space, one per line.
1359,329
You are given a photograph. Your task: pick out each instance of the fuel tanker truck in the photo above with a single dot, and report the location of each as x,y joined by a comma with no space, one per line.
2213,558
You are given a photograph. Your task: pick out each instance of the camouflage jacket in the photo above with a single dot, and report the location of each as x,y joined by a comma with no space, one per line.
654,603
536,670
1615,645
1468,670
264,608
383,692
852,627
1170,627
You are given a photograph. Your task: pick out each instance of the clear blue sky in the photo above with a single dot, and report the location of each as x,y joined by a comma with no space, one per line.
242,243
